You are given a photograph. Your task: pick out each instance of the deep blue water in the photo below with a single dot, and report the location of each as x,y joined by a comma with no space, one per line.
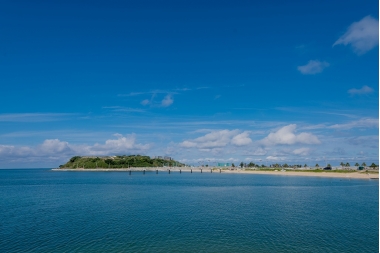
46,211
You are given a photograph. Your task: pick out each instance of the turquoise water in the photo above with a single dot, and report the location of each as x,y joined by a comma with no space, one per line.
47,211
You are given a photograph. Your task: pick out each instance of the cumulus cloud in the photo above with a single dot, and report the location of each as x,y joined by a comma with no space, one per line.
301,151
54,146
121,145
362,36
313,67
286,136
50,148
188,144
362,91
167,101
361,123
215,139
275,158
241,139
54,149
218,139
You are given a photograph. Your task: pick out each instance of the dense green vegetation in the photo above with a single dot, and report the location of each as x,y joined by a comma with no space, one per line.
118,162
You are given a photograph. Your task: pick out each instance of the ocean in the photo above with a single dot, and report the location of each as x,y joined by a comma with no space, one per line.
49,211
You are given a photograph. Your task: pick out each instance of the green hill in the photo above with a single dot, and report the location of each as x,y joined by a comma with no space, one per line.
118,162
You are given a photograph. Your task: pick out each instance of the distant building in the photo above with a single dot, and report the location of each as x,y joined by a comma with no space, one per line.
224,164
168,158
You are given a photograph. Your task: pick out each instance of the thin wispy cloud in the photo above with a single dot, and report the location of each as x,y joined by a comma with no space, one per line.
158,91
362,36
123,109
313,67
34,117
151,92
167,101
362,91
145,102
361,123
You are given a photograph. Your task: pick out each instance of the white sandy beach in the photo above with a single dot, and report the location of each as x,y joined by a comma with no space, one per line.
362,175
358,175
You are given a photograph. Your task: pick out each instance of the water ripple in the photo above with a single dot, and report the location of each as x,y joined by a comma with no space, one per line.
114,212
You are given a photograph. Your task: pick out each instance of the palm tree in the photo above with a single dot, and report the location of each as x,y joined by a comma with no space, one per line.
347,164
373,165
364,164
342,164
317,165
356,164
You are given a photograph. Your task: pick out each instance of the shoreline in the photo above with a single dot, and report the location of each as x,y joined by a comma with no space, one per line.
349,175
354,175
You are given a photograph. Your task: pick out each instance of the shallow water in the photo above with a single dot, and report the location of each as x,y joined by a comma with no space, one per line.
47,211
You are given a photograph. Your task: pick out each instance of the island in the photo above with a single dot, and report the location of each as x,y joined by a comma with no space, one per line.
164,163
119,162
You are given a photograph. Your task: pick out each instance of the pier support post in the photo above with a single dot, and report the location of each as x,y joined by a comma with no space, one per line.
130,172
156,171
169,171
211,170
220,170
201,170
144,172
180,171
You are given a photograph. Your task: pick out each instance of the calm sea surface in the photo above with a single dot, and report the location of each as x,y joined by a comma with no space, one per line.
46,211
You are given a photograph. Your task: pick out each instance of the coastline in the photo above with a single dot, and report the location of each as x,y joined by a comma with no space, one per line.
354,175
349,175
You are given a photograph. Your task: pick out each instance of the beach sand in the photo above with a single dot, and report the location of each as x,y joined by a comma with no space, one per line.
356,174
361,175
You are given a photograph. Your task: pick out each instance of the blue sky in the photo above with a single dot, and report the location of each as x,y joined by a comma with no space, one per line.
224,81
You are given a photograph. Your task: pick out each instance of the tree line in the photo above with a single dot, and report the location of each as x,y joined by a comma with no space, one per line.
285,165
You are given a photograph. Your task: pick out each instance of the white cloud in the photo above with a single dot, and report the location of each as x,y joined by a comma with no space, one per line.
362,35
286,136
313,67
218,139
215,139
274,158
167,101
125,109
301,151
54,146
258,152
362,123
145,102
50,148
53,149
121,145
34,117
364,90
188,144
241,139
